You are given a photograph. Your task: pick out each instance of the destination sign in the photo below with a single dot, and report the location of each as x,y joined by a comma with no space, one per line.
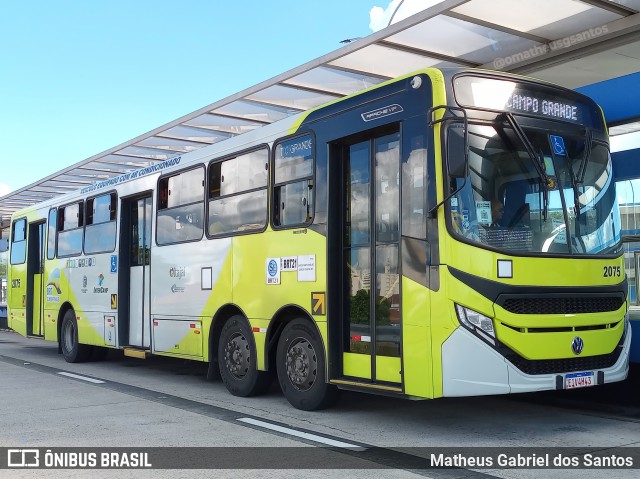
297,147
530,99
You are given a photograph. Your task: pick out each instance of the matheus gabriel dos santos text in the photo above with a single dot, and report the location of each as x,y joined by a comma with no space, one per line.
533,460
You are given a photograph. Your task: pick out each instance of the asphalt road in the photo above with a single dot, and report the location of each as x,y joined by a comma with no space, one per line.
161,402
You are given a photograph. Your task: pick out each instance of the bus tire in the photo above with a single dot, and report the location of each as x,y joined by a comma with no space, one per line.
237,359
301,367
72,350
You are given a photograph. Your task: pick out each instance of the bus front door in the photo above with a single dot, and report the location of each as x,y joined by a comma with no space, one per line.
35,287
370,265
139,272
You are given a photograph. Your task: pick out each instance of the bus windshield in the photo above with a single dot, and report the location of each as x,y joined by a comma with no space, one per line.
565,204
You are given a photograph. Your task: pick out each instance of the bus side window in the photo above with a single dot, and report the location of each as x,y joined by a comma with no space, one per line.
51,234
70,229
414,185
100,233
180,207
293,165
19,241
238,193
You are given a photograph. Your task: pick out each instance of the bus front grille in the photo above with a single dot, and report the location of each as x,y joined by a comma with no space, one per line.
562,304
557,366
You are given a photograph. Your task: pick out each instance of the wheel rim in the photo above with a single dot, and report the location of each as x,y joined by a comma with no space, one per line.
237,355
68,336
302,364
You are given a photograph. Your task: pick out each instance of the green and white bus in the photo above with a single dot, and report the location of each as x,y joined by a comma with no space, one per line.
445,233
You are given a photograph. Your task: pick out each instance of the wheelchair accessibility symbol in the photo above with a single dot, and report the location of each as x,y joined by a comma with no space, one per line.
557,142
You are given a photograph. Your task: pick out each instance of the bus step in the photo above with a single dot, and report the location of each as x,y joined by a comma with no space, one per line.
367,387
136,353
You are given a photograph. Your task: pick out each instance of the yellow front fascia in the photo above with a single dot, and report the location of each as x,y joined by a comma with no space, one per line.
518,331
529,270
553,345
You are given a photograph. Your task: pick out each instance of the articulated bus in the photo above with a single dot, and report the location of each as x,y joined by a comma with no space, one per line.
446,233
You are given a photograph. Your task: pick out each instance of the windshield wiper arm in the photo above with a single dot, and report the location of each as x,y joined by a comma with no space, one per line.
537,160
577,178
575,181
588,139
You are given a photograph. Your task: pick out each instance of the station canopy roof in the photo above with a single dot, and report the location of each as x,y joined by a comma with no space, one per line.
569,42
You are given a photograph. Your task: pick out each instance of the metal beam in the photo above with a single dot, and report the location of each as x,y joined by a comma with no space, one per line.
319,91
356,72
619,32
427,54
495,26
612,7
226,115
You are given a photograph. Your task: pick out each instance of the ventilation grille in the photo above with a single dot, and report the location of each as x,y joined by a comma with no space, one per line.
563,305
557,366
563,329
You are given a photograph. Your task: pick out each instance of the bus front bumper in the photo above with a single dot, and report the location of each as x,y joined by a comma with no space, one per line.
470,367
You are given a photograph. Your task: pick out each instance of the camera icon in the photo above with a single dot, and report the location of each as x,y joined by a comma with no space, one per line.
23,458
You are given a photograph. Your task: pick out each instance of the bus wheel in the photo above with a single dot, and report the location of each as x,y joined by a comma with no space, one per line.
237,359
301,368
72,350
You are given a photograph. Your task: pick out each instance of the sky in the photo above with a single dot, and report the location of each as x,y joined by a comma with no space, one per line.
78,77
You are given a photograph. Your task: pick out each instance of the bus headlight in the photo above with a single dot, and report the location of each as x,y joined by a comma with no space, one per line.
478,323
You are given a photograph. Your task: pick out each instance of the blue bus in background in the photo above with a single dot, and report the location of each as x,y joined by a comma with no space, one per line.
630,217
632,266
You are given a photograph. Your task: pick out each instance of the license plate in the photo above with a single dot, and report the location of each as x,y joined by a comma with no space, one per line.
579,380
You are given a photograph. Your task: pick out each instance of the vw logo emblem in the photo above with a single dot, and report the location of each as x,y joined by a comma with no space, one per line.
577,344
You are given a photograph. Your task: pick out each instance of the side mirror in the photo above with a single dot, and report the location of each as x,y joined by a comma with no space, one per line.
456,146
457,151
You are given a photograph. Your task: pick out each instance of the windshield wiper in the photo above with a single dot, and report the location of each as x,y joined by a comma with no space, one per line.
588,139
537,160
575,181
577,178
